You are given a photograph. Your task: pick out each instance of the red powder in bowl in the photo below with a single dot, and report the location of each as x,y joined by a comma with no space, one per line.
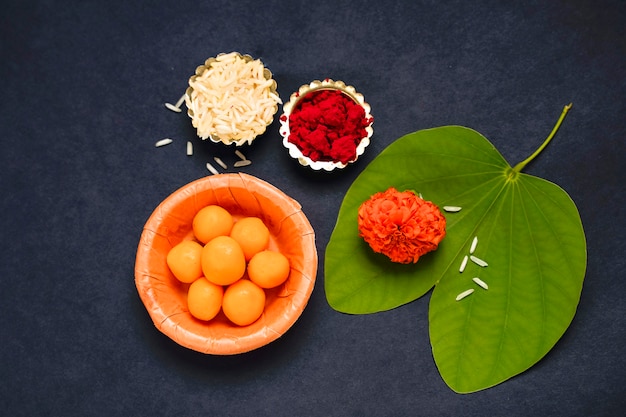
327,125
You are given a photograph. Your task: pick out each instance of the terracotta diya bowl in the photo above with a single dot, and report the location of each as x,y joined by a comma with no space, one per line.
165,298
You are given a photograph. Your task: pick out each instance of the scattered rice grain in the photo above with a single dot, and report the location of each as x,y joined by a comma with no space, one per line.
480,283
189,148
180,101
163,142
463,264
478,261
211,168
474,244
452,209
220,162
243,163
464,294
173,107
240,155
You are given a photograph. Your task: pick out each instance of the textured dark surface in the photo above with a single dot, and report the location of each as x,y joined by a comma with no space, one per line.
83,84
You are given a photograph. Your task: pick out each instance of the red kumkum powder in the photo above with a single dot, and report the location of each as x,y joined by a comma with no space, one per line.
327,125
401,225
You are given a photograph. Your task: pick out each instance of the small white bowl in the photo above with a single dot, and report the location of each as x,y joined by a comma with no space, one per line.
326,84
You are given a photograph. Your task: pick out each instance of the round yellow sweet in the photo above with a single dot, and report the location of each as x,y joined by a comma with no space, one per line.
252,235
210,222
243,302
204,299
223,261
268,269
184,260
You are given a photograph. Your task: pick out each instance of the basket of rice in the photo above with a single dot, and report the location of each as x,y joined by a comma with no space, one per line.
231,99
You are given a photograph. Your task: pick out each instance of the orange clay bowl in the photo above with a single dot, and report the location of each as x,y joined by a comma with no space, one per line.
165,297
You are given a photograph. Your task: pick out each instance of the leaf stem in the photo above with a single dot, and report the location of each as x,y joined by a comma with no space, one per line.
517,168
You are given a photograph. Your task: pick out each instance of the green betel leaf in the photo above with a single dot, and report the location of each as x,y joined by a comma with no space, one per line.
529,234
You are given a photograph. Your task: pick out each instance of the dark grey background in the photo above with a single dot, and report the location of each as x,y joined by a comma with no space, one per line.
82,87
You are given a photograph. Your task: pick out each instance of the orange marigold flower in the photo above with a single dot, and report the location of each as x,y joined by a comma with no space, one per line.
401,225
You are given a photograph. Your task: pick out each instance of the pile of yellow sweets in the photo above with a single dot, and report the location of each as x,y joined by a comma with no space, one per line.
216,263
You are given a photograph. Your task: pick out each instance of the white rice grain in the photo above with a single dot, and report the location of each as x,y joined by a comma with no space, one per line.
180,101
220,162
452,209
474,244
478,261
240,155
173,107
480,283
163,142
212,169
242,163
464,294
463,264
189,148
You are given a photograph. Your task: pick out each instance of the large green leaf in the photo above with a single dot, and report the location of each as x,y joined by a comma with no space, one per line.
529,232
